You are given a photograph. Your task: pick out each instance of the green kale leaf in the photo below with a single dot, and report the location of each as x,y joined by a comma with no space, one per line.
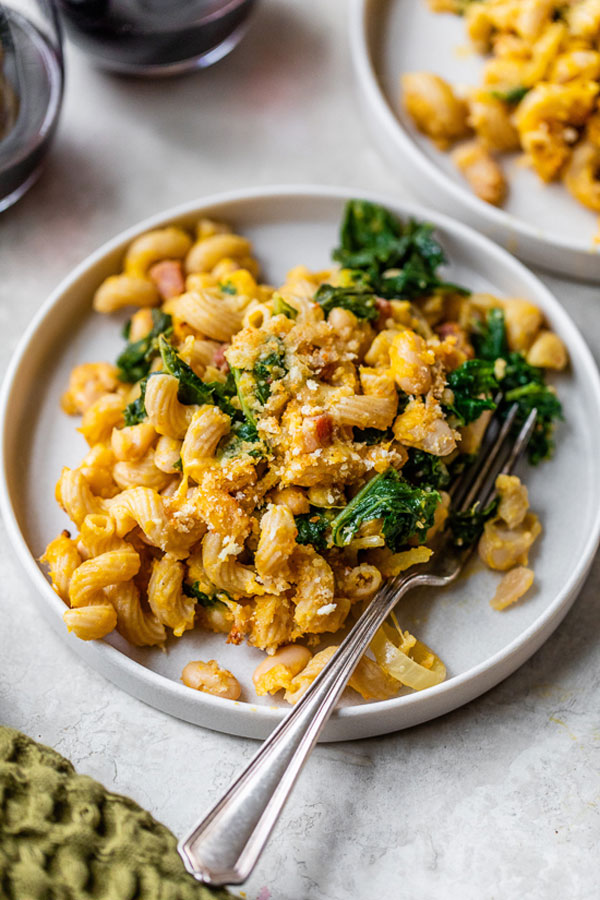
254,386
489,339
266,370
312,528
371,436
425,469
205,600
243,438
135,412
135,360
405,510
525,385
466,527
473,384
400,259
521,383
240,377
362,303
282,308
246,431
192,390
512,95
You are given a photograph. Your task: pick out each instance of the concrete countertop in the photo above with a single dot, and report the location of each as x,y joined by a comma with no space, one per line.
496,801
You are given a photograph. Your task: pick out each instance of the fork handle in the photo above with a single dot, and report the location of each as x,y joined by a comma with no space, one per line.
225,846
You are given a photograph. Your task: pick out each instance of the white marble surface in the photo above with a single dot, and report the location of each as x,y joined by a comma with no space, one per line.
496,801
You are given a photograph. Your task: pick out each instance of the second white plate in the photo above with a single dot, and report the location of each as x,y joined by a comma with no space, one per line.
543,224
479,645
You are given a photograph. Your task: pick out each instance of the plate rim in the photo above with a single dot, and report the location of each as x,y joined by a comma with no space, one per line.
493,216
107,659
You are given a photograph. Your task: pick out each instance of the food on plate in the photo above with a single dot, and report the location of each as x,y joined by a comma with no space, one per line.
509,534
211,678
261,459
481,171
539,94
435,108
512,587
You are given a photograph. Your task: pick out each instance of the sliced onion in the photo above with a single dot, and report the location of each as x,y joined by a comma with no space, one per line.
391,564
512,587
421,669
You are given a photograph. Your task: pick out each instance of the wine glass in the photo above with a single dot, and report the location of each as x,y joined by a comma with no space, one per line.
31,86
155,37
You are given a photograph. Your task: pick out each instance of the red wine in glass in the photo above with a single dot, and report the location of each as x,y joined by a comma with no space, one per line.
155,37
31,84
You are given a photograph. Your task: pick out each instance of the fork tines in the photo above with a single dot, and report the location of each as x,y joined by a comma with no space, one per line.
499,453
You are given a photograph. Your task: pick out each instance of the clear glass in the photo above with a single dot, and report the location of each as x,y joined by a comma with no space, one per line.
155,37
31,86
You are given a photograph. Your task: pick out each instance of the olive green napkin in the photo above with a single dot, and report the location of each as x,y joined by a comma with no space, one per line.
63,836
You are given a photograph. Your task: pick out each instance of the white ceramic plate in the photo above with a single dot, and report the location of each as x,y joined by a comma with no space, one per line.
479,646
543,224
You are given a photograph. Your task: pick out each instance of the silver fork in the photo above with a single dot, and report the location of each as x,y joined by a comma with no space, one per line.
224,846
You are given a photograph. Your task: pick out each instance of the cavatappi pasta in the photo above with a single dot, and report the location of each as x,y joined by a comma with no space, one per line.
540,92
261,459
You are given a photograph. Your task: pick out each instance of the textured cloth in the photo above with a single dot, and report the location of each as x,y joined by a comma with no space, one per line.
63,836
